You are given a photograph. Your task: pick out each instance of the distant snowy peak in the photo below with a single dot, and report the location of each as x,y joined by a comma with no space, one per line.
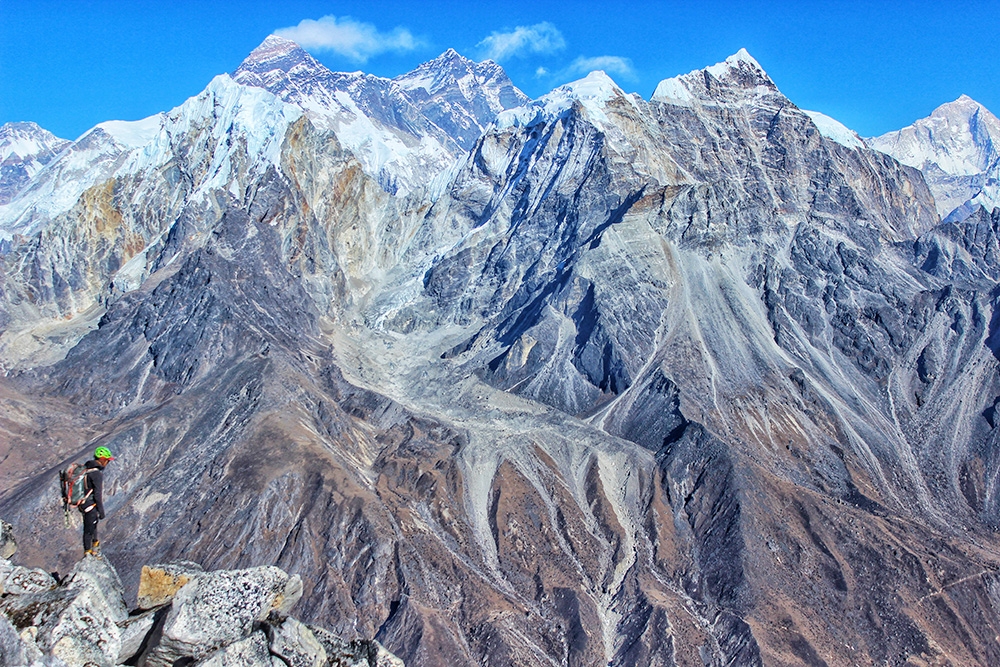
835,130
24,149
20,141
282,67
592,93
405,130
460,96
960,137
221,138
725,82
451,72
958,149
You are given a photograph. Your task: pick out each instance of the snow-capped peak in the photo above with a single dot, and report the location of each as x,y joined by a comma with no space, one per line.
24,149
960,138
739,71
272,49
835,130
434,74
269,65
741,60
592,92
24,140
958,149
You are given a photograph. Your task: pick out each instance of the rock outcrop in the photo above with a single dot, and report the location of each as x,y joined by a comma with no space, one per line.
185,616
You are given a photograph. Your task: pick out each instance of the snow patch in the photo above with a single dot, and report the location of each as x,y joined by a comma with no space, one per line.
835,130
135,133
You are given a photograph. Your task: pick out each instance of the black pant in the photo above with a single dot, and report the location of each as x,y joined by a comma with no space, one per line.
89,529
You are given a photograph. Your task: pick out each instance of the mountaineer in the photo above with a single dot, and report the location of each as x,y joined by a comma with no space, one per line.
92,507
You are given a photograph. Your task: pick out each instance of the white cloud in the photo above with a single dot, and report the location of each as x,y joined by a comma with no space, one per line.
538,38
540,72
610,65
352,39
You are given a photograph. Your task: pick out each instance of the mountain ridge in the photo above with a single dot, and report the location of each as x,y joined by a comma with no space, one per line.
636,382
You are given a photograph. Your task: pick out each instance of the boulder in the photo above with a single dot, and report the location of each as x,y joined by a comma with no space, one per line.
356,653
135,630
17,580
7,544
159,583
74,625
296,644
249,652
96,574
291,594
17,650
216,609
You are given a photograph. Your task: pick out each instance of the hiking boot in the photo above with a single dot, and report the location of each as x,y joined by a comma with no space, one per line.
97,543
89,552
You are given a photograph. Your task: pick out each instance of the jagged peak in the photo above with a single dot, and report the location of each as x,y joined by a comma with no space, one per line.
451,62
963,106
740,58
272,46
740,71
276,54
592,92
24,138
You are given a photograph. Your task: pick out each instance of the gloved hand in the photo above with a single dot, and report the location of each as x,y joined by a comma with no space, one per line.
101,516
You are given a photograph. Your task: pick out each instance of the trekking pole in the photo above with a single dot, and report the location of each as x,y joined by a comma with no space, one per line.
62,487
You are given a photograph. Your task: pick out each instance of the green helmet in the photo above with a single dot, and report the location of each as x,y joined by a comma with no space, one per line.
103,453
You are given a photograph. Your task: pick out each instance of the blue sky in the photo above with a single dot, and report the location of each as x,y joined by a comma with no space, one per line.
873,66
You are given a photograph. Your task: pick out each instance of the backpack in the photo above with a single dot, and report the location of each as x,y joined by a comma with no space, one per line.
73,482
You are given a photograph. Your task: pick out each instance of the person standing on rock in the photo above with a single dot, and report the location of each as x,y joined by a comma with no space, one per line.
93,507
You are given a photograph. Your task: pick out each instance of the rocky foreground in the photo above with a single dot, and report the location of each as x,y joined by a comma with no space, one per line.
184,616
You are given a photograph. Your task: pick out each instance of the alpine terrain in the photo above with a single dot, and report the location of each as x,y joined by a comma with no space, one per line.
583,380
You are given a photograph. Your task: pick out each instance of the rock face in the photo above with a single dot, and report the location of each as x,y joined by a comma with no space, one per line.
690,380
214,619
958,149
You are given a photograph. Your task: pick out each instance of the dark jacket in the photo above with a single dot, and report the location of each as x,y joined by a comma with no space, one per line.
95,481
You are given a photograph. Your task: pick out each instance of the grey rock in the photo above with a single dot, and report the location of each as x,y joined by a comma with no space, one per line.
214,610
356,653
159,583
19,650
136,632
290,594
96,574
72,625
17,579
296,645
8,545
249,652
